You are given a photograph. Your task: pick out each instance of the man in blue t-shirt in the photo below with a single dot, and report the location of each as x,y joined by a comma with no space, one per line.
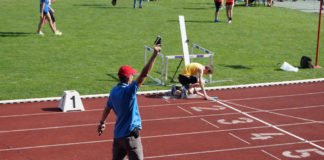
122,100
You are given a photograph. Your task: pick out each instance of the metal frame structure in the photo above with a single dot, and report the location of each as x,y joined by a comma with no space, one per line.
164,68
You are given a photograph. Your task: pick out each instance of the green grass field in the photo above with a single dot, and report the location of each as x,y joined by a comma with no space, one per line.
98,38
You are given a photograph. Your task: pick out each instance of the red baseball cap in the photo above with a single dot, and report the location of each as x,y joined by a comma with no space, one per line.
126,71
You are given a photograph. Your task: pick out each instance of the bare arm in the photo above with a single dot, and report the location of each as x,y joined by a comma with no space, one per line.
147,68
105,114
42,10
102,126
201,84
52,10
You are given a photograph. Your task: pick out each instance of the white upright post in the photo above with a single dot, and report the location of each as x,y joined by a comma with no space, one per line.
184,41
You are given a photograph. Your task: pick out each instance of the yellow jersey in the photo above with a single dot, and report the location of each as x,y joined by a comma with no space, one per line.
191,69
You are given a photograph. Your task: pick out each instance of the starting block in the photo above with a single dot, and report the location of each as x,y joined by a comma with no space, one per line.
71,101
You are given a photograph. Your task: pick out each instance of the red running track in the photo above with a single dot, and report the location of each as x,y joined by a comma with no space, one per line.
264,123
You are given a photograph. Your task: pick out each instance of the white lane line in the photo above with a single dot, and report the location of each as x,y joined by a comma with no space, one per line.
296,108
203,119
293,82
275,113
147,120
100,110
185,110
48,128
237,137
222,150
163,105
155,136
54,145
271,125
170,105
271,155
237,129
269,97
41,114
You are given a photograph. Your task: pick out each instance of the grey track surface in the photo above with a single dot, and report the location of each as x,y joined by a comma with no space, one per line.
311,6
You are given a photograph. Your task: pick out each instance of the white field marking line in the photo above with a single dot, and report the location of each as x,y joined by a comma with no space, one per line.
167,101
237,137
40,114
93,110
280,96
224,150
156,136
145,120
157,105
293,82
271,112
203,119
273,126
111,123
271,155
54,145
147,137
48,128
296,108
185,110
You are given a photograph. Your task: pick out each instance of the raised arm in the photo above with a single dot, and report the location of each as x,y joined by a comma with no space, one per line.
147,68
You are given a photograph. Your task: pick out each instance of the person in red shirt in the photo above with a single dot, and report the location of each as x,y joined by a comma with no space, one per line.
218,5
229,10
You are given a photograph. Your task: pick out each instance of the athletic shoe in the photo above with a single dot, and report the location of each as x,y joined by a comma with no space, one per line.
184,93
173,90
40,33
216,20
230,21
58,33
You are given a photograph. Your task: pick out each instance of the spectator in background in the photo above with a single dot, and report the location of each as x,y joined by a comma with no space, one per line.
229,10
45,15
51,11
248,2
218,5
140,3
